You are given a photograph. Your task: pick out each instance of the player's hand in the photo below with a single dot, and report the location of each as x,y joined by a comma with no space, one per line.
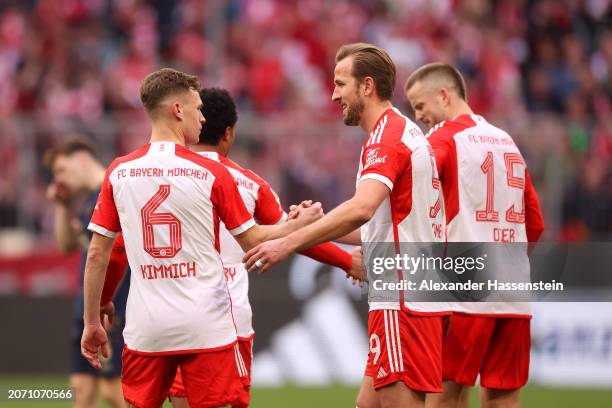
58,193
265,255
107,315
357,272
94,341
294,210
308,215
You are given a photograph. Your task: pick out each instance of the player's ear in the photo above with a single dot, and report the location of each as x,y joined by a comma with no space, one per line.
368,86
176,109
444,95
228,136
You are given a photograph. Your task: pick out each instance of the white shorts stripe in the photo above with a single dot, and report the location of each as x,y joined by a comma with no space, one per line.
389,353
393,340
239,363
246,372
399,341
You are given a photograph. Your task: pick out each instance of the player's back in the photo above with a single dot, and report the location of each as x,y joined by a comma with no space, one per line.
169,200
263,205
485,180
488,175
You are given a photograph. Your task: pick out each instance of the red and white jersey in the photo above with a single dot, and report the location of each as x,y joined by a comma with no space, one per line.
488,194
168,202
397,154
260,201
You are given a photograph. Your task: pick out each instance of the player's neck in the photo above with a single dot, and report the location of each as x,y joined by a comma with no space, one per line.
459,109
370,116
206,148
162,132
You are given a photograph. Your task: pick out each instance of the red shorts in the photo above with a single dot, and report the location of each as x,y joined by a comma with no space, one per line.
211,378
405,347
497,348
244,358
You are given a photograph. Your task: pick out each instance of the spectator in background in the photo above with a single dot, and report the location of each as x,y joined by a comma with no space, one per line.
77,177
81,68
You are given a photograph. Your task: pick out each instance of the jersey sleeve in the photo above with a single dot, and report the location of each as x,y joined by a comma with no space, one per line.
268,210
228,202
442,152
330,254
534,222
115,271
105,219
445,157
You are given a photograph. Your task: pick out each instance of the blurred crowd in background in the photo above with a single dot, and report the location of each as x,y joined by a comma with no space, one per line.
542,70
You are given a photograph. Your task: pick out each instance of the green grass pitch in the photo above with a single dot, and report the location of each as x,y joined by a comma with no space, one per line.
327,397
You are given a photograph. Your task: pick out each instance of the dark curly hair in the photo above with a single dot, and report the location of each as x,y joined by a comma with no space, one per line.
219,110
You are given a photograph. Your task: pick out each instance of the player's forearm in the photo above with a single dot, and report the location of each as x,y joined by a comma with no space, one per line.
65,235
261,233
98,256
115,272
352,238
342,220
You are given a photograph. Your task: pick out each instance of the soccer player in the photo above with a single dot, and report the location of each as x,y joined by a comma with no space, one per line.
489,197
77,177
216,140
168,201
395,201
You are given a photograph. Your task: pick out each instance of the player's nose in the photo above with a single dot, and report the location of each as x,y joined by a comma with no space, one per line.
335,95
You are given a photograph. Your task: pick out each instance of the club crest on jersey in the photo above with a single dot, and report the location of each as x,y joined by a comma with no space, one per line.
373,158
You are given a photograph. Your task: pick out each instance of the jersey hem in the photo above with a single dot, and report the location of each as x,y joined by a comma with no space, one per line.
496,315
248,338
186,351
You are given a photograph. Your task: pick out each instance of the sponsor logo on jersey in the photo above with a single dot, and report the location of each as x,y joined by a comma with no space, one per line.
372,158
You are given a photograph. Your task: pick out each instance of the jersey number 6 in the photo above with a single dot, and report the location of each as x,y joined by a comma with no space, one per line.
151,218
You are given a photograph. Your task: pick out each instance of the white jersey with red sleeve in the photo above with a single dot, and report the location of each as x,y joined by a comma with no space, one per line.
260,201
489,197
398,155
168,202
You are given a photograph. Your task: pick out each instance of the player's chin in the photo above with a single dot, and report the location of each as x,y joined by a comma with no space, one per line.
349,120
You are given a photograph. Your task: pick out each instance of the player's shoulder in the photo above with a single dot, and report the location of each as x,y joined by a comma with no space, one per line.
214,166
449,128
248,173
391,128
136,154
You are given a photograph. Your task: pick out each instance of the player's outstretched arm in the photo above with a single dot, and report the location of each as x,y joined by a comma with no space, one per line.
261,233
345,218
94,337
352,238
